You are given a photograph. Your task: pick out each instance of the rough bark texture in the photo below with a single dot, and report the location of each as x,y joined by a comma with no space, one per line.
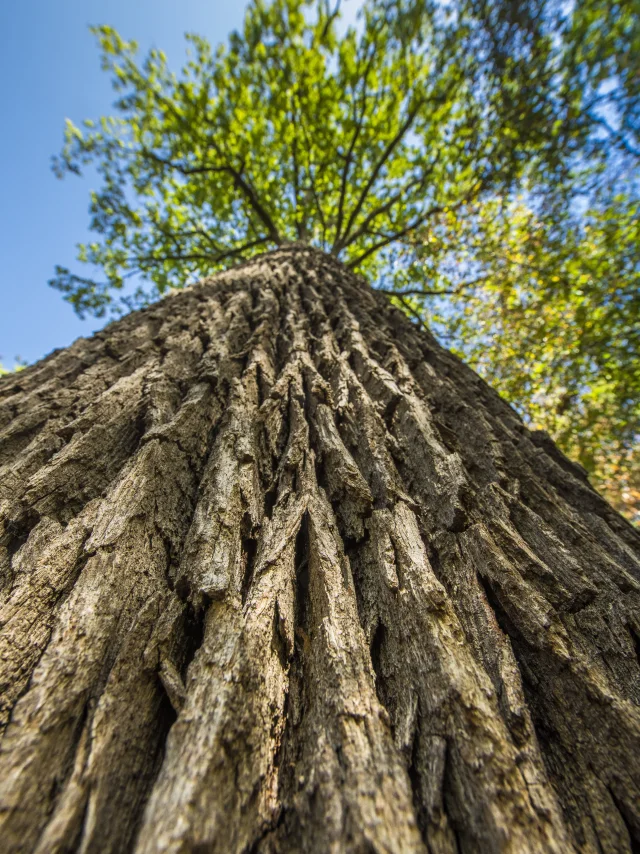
280,574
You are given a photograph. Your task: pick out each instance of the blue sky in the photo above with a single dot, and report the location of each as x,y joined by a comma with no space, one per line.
50,66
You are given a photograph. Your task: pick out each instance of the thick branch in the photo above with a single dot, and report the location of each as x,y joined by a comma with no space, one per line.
332,15
254,201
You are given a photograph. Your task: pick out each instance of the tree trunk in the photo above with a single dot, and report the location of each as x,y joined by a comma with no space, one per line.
280,574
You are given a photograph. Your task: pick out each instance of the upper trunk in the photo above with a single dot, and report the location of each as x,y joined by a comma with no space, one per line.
278,573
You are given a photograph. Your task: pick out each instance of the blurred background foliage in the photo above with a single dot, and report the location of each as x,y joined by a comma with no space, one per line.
540,289
477,160
549,317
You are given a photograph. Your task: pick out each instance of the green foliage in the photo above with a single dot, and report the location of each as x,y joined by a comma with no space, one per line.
477,157
604,51
17,367
288,133
546,315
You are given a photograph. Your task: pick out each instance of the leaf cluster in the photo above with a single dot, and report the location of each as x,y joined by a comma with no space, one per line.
291,133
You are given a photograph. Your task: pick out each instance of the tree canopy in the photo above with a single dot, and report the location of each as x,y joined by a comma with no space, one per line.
474,158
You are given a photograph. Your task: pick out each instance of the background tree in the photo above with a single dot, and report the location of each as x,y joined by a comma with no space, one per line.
547,314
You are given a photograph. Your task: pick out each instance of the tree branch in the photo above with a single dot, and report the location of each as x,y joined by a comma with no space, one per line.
179,167
254,201
415,292
384,208
331,17
349,156
413,312
386,154
198,256
423,292
398,235
240,182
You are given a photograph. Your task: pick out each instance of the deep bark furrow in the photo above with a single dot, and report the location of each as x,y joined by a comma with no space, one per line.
278,573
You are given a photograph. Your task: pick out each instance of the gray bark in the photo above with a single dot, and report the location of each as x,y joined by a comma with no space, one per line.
280,574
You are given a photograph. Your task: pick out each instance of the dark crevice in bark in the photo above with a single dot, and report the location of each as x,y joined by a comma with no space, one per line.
398,457
434,797
290,747
321,475
249,547
433,556
287,760
18,530
390,410
267,466
447,436
302,551
378,642
460,521
397,563
343,425
270,499
193,636
261,387
415,773
499,612
270,829
79,567
379,347
288,754
559,764
352,545
635,639
83,720
628,821
183,588
279,641
242,358
165,719
464,843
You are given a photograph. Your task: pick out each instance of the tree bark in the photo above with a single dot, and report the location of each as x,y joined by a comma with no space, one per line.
280,574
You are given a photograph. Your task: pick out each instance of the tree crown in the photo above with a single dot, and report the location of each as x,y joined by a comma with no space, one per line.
290,132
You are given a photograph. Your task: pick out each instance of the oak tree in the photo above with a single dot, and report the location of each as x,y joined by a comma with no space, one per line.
278,572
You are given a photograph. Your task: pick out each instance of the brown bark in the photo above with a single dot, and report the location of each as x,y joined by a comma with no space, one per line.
280,574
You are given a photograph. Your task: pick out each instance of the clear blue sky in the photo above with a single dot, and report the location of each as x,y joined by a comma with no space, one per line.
50,66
